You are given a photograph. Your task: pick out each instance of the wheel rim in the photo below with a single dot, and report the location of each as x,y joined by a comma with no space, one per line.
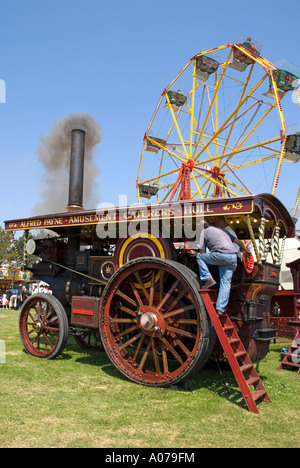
154,331
42,326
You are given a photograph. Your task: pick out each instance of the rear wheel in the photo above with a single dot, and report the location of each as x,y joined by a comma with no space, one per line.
153,324
89,340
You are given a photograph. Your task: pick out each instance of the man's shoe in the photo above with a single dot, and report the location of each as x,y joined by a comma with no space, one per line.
219,312
209,284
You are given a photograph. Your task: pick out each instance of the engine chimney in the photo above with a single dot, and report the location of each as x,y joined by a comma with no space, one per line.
76,170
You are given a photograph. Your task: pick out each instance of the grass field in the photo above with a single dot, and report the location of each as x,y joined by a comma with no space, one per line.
81,400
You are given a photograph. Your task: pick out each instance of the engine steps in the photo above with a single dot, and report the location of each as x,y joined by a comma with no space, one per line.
292,357
236,355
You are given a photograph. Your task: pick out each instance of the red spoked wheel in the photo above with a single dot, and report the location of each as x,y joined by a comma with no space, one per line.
43,326
89,340
153,324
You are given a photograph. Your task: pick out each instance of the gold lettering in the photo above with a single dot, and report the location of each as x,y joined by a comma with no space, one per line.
208,210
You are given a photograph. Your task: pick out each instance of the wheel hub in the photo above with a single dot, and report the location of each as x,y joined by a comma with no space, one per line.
148,321
38,326
151,321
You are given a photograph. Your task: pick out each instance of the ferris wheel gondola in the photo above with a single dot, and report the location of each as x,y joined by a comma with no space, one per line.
213,139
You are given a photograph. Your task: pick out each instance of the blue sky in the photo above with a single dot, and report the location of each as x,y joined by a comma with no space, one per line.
112,60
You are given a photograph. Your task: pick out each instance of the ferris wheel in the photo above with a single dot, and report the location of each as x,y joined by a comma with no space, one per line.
219,128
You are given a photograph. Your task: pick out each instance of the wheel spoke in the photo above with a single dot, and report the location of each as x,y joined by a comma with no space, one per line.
181,345
170,348
151,296
127,331
126,298
136,293
168,294
122,320
182,310
155,356
177,300
179,331
165,360
47,341
128,311
142,286
145,355
139,347
129,342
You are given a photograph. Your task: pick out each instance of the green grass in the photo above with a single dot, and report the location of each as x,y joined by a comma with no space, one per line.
81,400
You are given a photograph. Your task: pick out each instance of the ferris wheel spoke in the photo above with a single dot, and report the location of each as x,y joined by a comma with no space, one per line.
214,97
242,188
197,134
197,186
176,125
236,167
239,105
239,150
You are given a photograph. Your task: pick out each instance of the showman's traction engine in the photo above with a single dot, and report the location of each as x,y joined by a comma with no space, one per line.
125,281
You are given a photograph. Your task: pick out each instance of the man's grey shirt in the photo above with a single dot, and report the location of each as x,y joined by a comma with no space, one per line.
217,240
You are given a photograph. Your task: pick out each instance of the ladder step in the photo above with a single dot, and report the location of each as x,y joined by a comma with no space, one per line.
246,367
258,394
293,355
289,363
234,340
240,354
252,380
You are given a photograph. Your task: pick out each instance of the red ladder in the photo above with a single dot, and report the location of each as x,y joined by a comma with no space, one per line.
236,355
292,357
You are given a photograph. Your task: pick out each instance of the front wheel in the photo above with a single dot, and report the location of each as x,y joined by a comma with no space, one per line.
153,324
43,326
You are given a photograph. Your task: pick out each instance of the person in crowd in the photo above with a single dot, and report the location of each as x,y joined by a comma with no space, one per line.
4,301
13,301
22,296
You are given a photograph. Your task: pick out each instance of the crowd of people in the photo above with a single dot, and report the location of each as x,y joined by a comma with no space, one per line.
14,298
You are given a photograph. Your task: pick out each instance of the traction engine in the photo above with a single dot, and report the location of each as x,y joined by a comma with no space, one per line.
125,280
